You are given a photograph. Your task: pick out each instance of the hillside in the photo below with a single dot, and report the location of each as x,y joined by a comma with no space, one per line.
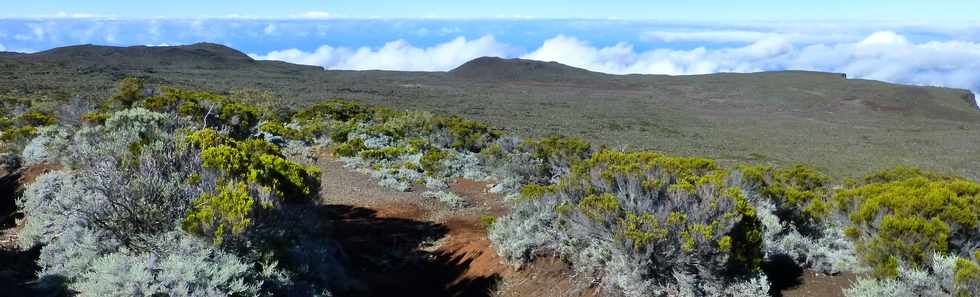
847,127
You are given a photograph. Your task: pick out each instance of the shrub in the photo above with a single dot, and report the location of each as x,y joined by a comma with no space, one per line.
256,160
642,222
386,153
464,134
49,142
940,276
529,230
36,119
334,109
129,91
350,148
134,176
432,161
799,192
402,124
225,213
904,216
238,117
48,200
448,198
95,117
826,251
559,152
278,129
186,267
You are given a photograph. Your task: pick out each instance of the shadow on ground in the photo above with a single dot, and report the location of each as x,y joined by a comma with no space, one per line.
783,273
386,260
17,270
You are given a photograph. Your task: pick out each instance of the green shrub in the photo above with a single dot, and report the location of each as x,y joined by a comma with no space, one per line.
558,148
800,193
350,148
18,134
256,161
278,129
225,213
905,215
385,153
341,131
128,91
431,161
95,117
36,119
402,124
487,221
966,279
239,117
535,191
466,134
334,109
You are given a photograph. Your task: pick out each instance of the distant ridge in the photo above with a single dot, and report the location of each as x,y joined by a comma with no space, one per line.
499,69
199,54
781,117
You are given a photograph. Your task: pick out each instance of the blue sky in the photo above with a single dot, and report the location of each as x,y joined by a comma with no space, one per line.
704,10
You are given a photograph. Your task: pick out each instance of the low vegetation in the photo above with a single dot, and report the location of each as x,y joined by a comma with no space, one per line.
177,192
179,201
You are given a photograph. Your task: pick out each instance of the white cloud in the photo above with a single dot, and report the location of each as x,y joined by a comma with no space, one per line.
270,29
885,55
315,15
395,55
749,36
2,48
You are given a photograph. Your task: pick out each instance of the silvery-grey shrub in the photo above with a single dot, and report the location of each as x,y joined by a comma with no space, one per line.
47,145
936,281
135,173
448,198
593,246
527,231
828,251
184,266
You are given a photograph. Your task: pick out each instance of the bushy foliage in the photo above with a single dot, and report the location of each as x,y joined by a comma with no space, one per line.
225,213
109,223
941,276
338,110
643,223
49,142
284,131
448,198
797,218
129,91
906,215
184,267
799,192
256,160
128,178
17,129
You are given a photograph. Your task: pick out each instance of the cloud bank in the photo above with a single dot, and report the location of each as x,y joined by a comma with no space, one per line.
395,55
884,55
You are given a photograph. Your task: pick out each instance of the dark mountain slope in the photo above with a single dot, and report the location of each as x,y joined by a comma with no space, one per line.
493,69
194,56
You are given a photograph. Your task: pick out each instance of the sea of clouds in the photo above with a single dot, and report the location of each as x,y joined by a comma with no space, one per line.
911,53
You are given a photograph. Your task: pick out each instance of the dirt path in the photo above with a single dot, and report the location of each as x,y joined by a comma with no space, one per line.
402,243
